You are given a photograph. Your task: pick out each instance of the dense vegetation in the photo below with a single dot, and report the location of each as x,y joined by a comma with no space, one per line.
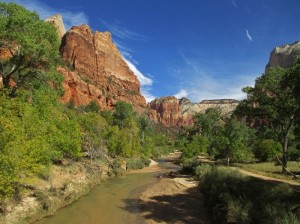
264,127
36,130
235,198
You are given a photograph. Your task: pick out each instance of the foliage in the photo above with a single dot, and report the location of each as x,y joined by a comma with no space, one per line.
267,149
32,135
234,141
272,100
220,137
37,130
137,163
31,48
197,146
234,198
123,114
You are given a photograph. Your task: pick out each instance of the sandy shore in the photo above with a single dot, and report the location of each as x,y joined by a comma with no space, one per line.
174,199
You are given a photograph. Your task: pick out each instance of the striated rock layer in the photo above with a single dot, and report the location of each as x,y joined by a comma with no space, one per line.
284,56
171,111
96,70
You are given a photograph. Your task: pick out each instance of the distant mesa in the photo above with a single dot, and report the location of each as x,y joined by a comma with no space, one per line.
171,111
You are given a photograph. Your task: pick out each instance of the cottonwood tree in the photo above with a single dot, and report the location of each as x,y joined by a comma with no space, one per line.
273,101
29,48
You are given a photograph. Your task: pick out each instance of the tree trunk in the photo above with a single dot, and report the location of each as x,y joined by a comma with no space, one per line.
143,136
285,155
5,81
228,161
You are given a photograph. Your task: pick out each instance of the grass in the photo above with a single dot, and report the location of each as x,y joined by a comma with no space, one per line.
271,169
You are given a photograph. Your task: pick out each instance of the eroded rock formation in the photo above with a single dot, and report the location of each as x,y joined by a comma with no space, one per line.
284,56
171,111
97,71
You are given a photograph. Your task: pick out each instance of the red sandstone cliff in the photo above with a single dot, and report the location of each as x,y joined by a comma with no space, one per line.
100,73
170,111
96,69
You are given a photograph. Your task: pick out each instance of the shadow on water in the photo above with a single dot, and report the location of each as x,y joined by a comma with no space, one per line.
179,208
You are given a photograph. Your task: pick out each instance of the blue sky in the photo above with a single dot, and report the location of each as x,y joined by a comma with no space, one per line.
199,49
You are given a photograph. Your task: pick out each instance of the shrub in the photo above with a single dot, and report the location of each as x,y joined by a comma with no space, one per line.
137,163
235,198
267,149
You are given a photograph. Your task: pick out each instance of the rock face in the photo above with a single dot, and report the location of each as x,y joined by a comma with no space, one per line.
284,56
170,111
58,23
97,71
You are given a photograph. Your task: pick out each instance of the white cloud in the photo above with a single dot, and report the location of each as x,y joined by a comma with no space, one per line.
248,35
234,4
70,18
144,80
123,32
147,94
182,93
199,82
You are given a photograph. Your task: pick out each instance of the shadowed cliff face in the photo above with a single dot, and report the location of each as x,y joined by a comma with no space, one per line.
99,72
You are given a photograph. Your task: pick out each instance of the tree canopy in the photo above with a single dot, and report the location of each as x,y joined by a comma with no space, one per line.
273,101
29,48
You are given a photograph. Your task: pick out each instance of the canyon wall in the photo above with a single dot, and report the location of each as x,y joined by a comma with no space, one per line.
284,56
96,70
171,111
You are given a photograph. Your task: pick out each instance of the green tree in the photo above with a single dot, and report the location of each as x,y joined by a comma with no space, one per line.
272,100
267,149
30,48
208,123
122,114
144,123
233,143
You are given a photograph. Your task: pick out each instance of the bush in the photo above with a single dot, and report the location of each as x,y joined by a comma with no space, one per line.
294,154
202,170
267,149
234,198
137,163
189,164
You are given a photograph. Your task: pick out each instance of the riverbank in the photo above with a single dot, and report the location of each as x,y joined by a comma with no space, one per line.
173,198
66,183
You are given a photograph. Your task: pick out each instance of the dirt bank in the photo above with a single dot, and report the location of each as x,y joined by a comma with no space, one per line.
65,184
175,200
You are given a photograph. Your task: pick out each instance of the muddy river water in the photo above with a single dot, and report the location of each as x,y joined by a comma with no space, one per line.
108,202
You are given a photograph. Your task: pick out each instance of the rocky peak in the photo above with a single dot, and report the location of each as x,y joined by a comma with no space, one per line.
97,71
284,56
58,23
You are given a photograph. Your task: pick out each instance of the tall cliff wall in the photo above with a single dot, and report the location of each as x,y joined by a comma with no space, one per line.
171,111
96,70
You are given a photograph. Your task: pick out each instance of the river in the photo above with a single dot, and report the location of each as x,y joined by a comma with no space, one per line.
108,203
